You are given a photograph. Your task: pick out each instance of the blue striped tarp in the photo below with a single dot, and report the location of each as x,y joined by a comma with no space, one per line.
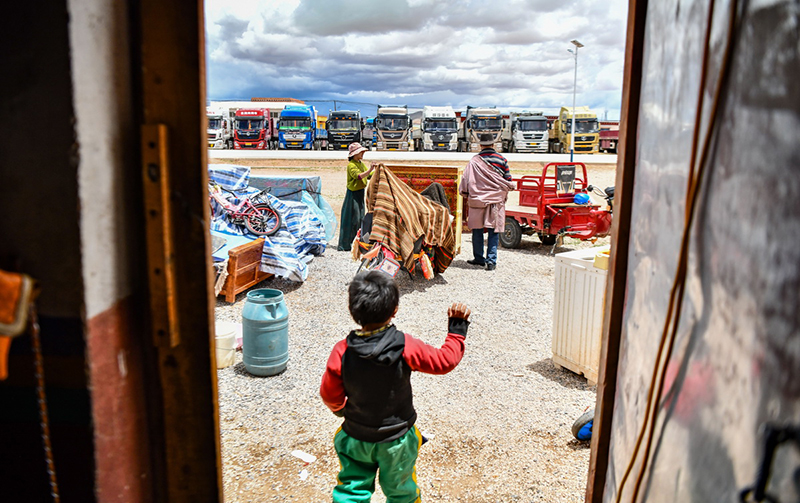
229,176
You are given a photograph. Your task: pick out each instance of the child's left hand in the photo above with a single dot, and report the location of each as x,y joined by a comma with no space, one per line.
459,310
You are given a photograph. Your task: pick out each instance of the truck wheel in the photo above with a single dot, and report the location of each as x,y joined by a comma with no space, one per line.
512,235
547,239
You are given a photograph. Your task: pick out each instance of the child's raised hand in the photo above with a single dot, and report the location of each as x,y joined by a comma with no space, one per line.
458,310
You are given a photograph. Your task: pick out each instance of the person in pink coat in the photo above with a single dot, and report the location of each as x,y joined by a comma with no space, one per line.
485,186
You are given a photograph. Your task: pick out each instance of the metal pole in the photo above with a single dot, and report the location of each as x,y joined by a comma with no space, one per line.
574,92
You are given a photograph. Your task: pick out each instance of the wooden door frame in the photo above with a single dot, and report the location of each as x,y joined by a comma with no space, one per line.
620,243
169,63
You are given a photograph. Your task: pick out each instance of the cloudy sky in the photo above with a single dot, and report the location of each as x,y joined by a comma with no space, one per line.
506,53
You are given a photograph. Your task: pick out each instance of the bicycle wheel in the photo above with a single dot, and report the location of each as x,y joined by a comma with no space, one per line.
263,220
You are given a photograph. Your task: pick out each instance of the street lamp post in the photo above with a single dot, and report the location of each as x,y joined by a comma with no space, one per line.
577,45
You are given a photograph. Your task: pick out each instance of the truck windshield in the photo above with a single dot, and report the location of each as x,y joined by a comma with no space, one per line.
348,124
583,126
532,125
486,124
295,123
440,125
214,123
392,123
249,124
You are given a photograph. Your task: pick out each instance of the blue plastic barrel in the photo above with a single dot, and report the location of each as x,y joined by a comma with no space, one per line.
265,332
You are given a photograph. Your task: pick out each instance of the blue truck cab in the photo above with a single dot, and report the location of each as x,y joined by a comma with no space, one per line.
298,128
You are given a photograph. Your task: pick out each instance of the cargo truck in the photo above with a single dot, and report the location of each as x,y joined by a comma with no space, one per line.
609,136
253,129
587,131
525,132
392,128
299,128
438,130
369,135
477,121
344,127
219,127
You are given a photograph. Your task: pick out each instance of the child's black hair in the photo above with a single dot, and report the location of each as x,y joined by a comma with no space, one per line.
373,297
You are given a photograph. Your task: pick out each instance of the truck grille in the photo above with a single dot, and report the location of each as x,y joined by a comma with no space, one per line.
583,149
248,135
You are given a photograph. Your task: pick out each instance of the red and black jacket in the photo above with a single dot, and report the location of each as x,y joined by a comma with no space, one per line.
368,378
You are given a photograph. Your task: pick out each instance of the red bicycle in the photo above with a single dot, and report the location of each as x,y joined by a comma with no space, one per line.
254,212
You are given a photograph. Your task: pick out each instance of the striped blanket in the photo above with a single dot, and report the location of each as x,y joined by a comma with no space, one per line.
401,217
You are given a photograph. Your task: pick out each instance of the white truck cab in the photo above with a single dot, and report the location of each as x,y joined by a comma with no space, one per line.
525,132
219,129
438,130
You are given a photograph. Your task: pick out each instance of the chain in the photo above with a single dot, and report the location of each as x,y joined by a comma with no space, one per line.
40,396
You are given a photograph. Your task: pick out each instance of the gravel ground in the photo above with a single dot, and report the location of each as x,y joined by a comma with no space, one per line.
499,423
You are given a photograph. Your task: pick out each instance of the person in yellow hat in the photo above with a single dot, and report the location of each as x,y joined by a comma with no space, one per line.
353,207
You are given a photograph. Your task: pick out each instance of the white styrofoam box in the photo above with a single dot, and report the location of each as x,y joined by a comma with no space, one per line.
578,312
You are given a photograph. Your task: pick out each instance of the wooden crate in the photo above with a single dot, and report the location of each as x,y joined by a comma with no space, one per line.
244,269
419,177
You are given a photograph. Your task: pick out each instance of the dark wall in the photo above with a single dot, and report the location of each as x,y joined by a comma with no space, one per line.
735,366
39,233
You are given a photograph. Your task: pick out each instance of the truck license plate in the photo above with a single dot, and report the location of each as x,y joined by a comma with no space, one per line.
294,143
440,144
344,146
210,145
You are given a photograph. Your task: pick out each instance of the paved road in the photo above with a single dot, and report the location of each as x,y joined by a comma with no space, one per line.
404,156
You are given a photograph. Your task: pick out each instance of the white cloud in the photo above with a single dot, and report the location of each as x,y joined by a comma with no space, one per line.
510,53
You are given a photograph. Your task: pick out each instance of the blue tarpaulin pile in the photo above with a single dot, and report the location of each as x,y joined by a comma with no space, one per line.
305,222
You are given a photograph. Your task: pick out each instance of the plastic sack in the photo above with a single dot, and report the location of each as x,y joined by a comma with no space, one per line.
581,198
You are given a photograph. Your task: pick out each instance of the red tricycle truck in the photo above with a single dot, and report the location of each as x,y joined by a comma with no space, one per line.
556,203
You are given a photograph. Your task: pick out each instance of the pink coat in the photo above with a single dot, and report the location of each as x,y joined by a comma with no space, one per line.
486,192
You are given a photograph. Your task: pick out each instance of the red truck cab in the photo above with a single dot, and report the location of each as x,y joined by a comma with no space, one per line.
253,129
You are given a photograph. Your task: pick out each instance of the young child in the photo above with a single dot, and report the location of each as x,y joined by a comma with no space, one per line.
368,381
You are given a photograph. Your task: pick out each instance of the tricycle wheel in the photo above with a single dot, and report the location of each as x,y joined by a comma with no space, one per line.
547,239
582,421
512,236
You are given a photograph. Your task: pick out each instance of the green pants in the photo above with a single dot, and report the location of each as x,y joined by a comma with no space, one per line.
395,463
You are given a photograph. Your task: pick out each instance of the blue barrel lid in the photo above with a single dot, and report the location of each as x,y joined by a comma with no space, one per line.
265,296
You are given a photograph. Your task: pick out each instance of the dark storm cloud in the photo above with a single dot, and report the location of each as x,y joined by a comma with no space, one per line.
326,17
231,28
506,52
